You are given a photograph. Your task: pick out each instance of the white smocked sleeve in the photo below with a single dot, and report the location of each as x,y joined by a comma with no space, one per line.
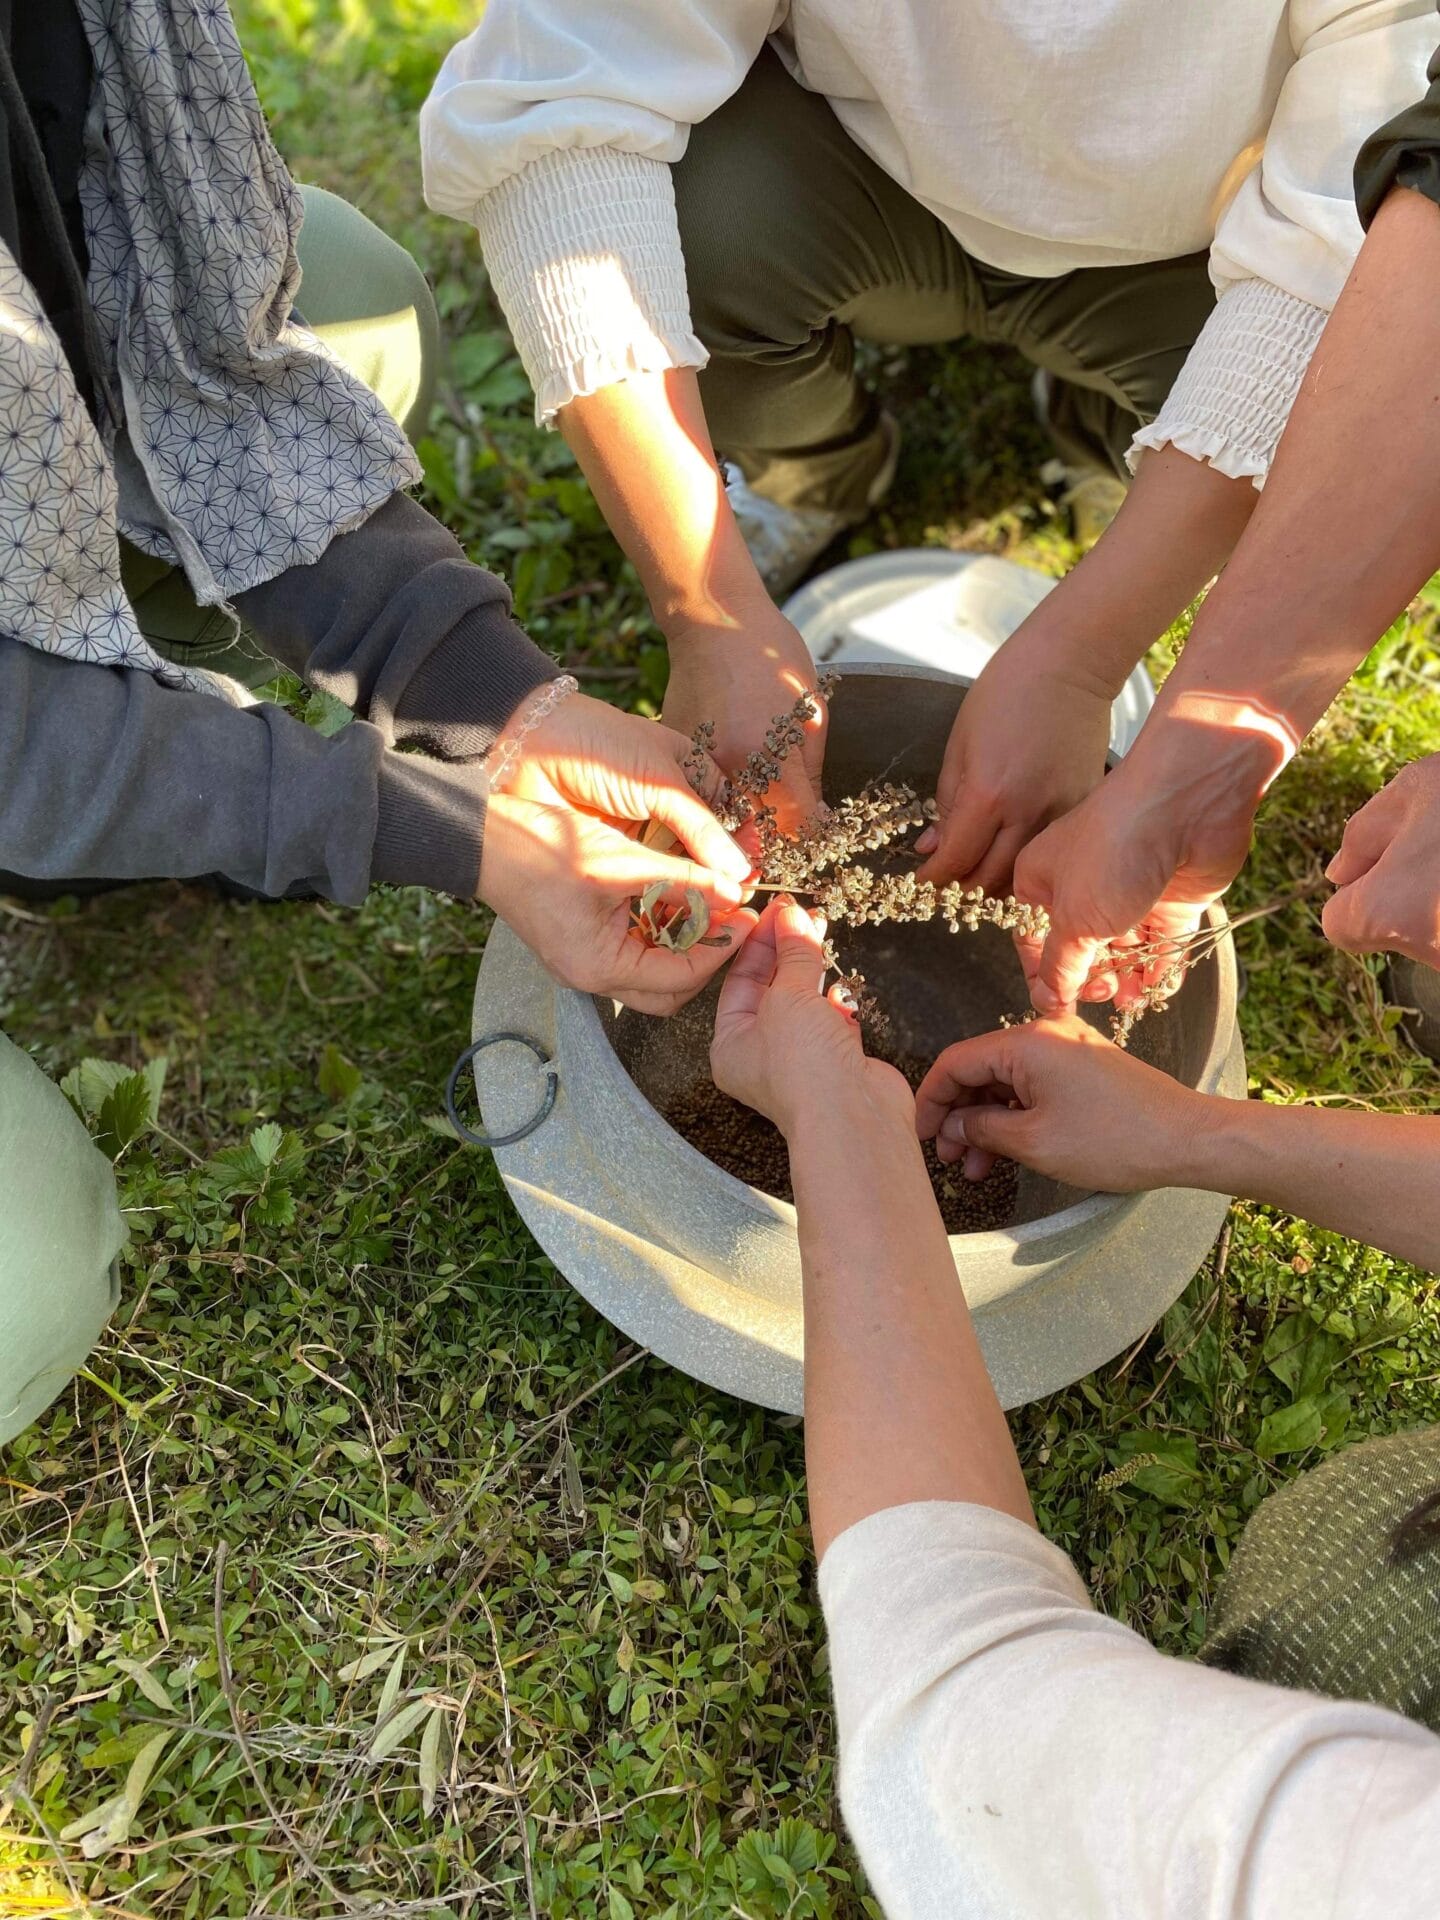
553,128
1007,1753
1285,243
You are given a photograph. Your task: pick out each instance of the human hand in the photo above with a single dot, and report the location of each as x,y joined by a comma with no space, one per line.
563,864
1028,744
1058,1097
740,678
1140,860
1387,871
782,1044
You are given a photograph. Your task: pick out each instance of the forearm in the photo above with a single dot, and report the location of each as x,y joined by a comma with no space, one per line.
645,449
107,775
898,1405
1178,527
397,623
1374,1177
1345,532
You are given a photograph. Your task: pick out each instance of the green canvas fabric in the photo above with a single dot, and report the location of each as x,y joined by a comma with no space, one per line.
1322,1592
372,306
833,250
61,1232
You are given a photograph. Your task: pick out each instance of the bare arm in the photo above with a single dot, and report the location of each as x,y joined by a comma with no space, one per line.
898,1405
734,659
1086,1113
1029,742
1347,530
1373,1176
645,449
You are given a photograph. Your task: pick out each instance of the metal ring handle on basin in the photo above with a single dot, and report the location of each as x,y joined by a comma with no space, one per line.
537,1119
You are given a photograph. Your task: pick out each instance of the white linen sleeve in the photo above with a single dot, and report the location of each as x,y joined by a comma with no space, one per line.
1291,232
1008,1753
552,128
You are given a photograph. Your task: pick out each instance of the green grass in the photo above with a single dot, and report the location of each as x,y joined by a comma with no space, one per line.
502,1597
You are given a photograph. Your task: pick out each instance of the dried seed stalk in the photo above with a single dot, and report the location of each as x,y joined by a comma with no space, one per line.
821,862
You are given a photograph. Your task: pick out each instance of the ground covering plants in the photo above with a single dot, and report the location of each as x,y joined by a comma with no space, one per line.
365,1569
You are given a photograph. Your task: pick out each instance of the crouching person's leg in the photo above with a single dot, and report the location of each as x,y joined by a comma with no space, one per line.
60,1238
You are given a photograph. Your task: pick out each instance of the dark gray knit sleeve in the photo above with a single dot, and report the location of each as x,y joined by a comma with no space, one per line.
396,622
1404,153
107,775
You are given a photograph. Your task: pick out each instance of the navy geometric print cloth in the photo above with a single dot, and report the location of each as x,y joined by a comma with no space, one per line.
245,447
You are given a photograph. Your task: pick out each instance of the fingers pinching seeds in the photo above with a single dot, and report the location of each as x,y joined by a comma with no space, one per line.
798,944
1065,966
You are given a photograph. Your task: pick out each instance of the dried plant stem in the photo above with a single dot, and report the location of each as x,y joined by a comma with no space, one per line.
820,865
247,1754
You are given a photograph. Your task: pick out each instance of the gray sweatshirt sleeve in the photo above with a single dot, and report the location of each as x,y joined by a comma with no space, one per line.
396,622
107,775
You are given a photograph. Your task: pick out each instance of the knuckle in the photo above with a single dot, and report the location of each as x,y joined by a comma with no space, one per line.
1338,921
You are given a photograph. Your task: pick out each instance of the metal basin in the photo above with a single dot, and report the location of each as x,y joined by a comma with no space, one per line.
704,1269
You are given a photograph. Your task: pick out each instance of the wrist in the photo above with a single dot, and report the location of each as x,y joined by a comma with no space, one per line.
1247,651
1165,543
1208,1143
857,1103
693,621
1052,645
1220,751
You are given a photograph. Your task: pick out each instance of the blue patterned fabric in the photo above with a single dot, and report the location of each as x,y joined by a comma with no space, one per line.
245,447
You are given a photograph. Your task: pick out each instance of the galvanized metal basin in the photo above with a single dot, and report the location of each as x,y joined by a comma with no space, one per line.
704,1269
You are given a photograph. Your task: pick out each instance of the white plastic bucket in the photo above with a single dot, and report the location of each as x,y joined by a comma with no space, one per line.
928,607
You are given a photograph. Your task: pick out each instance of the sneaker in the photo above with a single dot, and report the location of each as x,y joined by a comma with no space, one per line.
1416,990
1092,497
785,542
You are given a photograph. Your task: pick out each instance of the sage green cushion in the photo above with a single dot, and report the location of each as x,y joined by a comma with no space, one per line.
61,1233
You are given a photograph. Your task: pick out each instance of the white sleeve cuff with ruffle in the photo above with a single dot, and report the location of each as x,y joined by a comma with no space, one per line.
583,250
1234,394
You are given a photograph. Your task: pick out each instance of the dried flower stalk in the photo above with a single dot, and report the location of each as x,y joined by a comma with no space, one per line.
821,863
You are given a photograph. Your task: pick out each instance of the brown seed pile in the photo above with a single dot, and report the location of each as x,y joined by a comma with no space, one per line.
747,1145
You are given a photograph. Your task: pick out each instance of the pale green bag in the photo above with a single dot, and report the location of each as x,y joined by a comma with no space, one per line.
61,1233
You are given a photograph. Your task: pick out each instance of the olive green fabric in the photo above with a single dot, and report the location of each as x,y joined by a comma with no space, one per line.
1404,153
60,1237
796,244
1328,1591
370,303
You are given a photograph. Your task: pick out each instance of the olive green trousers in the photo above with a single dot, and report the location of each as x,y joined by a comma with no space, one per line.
797,243
371,305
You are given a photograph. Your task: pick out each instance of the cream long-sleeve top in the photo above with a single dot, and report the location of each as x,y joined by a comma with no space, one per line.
1046,135
1008,1753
